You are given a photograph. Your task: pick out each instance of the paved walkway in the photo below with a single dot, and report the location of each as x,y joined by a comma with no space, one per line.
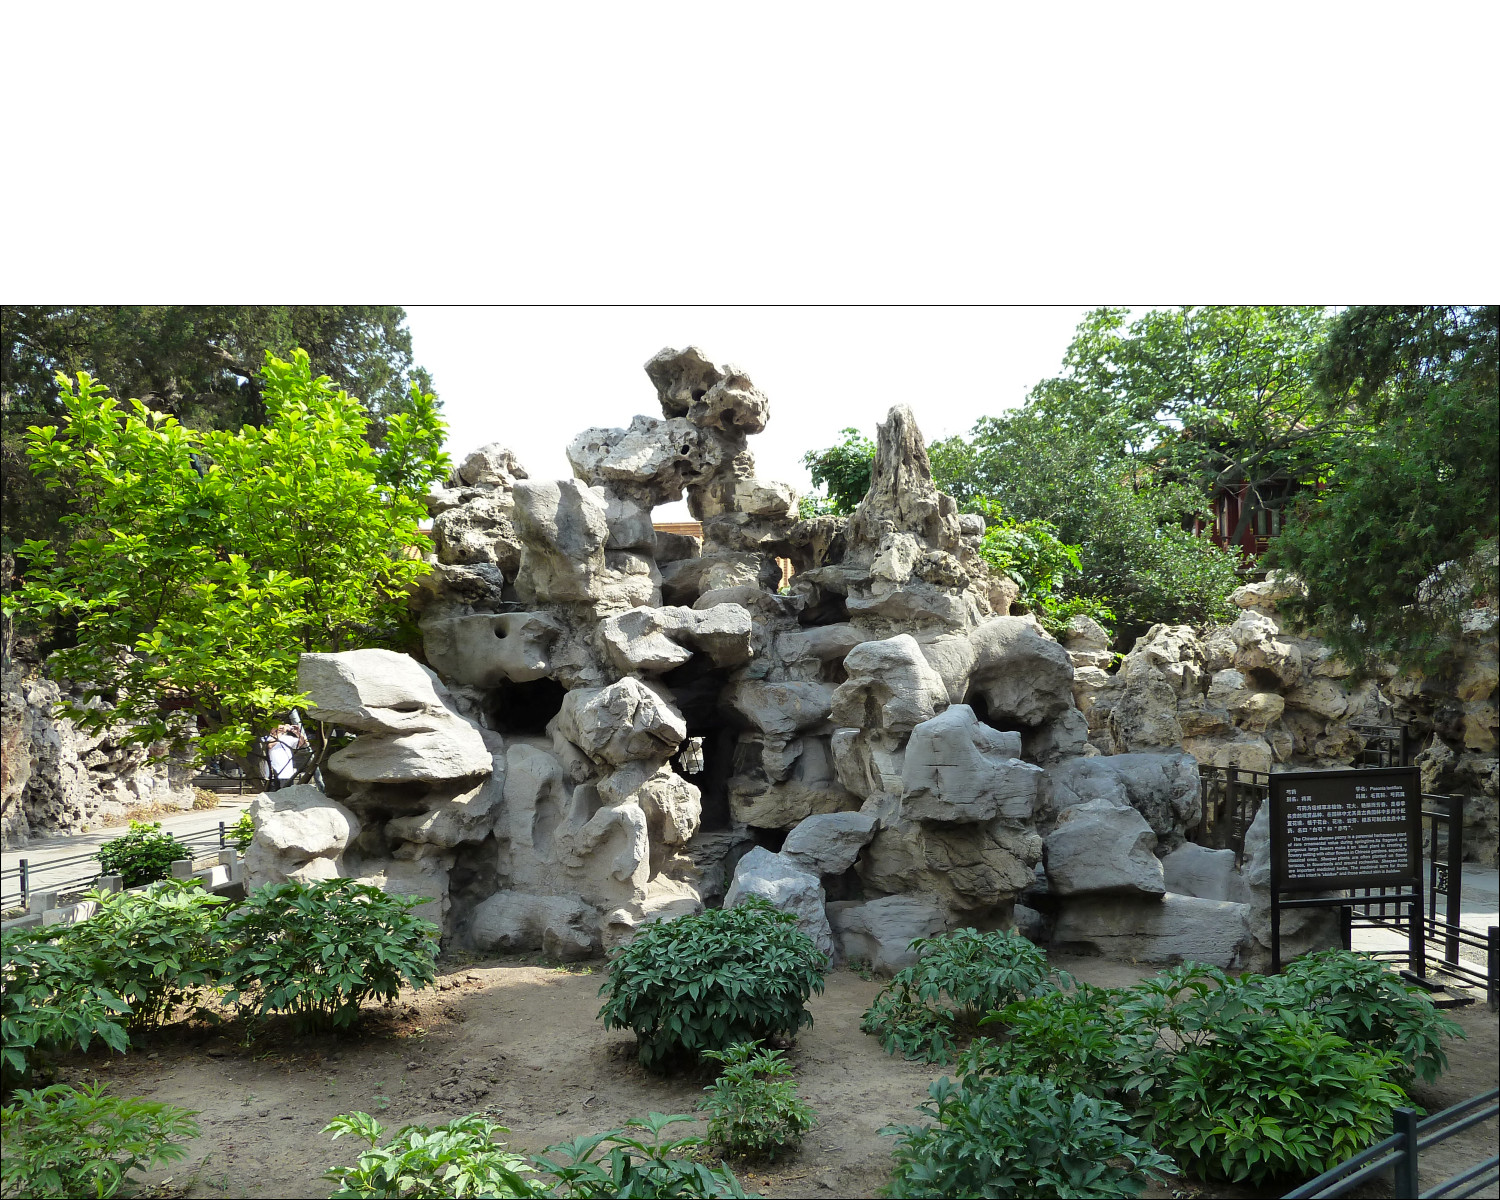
41,853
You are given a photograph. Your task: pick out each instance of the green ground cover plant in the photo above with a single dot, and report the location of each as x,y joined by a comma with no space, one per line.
1020,1136
1248,1078
50,1002
753,1105
464,1158
143,855
928,1009
707,981
241,833
67,1142
156,948
318,950
1273,1095
460,1158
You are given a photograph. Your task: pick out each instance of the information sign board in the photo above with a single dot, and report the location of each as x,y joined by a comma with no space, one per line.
1346,829
1332,831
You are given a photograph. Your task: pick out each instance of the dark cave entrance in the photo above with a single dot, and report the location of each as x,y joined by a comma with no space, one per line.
525,708
695,687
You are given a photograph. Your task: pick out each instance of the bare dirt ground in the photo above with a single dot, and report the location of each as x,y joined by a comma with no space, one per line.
522,1043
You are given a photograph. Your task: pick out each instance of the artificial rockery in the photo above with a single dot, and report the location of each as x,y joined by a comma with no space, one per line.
616,725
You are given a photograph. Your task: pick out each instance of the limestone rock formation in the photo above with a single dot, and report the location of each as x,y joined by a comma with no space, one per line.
617,725
57,778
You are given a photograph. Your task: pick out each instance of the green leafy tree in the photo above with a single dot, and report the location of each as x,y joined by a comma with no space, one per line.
198,363
205,562
1217,396
1135,555
843,471
1402,538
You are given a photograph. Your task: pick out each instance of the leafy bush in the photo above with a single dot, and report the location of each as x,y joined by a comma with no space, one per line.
49,1000
928,1007
1365,1001
623,1163
461,1158
707,981
65,1142
154,948
1085,1041
1019,1136
1272,1094
317,950
754,1103
241,833
143,855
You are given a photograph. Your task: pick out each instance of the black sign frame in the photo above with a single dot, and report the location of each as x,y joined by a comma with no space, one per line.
1308,807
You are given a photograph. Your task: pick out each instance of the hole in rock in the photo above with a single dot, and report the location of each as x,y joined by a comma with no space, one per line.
848,886
998,718
771,839
525,707
500,631
698,394
1262,680
695,688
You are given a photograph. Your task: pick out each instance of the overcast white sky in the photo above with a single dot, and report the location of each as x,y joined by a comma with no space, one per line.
532,378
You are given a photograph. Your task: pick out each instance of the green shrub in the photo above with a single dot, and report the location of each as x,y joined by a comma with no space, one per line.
50,1002
707,981
1365,1001
318,950
143,855
754,1103
1083,1041
241,833
155,948
1019,1136
928,1008
65,1142
624,1163
1272,1094
461,1158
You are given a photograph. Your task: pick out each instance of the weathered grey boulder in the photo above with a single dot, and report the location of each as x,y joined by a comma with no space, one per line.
300,835
479,530
424,874
1194,870
1022,676
1166,930
828,843
1102,846
409,734
490,466
787,886
880,932
1164,788
621,723
562,927
653,640
563,530
650,461
890,686
958,769
487,649
470,816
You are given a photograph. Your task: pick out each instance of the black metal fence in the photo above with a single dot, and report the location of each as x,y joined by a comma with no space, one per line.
1399,1154
1231,797
79,872
1385,745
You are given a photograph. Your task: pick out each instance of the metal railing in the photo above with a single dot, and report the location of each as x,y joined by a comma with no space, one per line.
1399,1153
79,872
1231,797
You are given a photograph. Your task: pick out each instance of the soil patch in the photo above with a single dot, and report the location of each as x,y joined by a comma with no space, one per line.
521,1042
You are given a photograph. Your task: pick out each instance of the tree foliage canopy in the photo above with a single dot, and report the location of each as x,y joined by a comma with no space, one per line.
843,470
198,363
204,562
1402,539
